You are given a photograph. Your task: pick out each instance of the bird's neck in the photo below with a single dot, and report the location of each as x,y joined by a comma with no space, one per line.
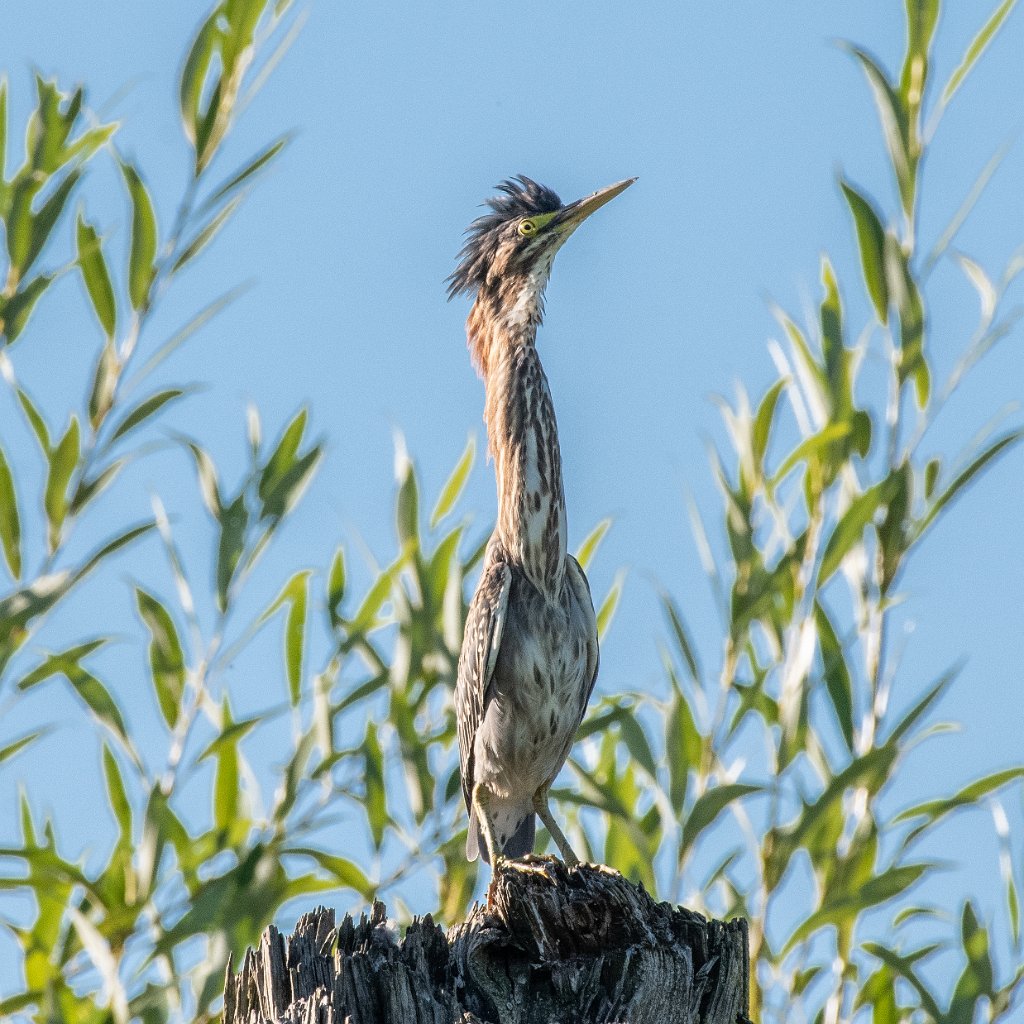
523,440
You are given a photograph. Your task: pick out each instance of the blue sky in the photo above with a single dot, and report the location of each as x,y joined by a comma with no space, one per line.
736,119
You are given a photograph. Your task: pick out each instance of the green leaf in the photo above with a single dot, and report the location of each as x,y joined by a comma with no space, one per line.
93,486
849,531
407,507
286,474
838,682
606,612
976,981
166,660
707,808
589,547
969,796
118,795
871,240
295,594
114,544
763,420
15,311
208,486
46,219
227,780
194,71
681,634
253,167
964,478
234,521
206,234
10,521
683,746
342,871
104,384
15,747
910,306
810,448
96,276
456,482
978,45
36,422
144,410
336,587
375,801
141,264
903,966
63,461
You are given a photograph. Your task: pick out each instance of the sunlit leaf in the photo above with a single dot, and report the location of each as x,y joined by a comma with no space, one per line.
144,410
166,659
708,806
10,521
375,802
871,239
247,172
206,234
592,542
849,531
294,594
96,276
838,682
455,484
16,746
141,263
234,521
978,45
336,587
63,462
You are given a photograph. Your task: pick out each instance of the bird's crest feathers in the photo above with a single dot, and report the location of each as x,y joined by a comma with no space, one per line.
518,197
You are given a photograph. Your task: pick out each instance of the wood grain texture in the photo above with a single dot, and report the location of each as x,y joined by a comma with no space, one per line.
572,946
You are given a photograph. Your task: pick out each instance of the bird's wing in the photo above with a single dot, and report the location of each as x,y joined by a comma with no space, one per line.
577,579
480,643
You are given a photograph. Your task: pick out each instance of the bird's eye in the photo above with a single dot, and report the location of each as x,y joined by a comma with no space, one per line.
527,227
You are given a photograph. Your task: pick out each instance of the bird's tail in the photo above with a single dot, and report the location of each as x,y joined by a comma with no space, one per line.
518,844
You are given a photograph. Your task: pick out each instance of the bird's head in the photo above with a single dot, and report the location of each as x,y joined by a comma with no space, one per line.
507,257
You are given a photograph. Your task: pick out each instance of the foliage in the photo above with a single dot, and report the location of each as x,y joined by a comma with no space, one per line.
821,513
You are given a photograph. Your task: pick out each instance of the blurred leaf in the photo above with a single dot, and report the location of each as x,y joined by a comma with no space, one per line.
343,872
969,796
208,486
295,594
977,48
251,169
166,660
141,265
15,311
589,547
606,612
963,478
16,746
681,634
233,520
46,219
849,531
117,794
903,965
10,521
375,801
931,476
96,276
193,74
336,587
910,307
977,980
763,420
838,682
144,410
63,461
810,448
36,422
206,234
455,484
683,746
871,239
105,378
708,806
407,506
287,473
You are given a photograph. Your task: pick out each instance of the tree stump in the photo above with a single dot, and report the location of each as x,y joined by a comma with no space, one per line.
557,946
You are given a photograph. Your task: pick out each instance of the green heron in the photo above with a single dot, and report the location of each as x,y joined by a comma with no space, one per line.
529,654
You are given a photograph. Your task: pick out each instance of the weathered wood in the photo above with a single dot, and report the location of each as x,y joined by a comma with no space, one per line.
572,946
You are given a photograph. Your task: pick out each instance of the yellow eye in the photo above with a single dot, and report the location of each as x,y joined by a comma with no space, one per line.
527,227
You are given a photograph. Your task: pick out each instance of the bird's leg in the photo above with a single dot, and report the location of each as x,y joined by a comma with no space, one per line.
540,805
482,806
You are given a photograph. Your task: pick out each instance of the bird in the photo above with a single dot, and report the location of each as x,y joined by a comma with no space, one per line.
529,656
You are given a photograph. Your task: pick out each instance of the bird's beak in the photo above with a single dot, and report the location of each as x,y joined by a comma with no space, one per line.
576,213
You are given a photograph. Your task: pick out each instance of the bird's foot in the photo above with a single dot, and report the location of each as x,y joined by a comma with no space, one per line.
531,863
